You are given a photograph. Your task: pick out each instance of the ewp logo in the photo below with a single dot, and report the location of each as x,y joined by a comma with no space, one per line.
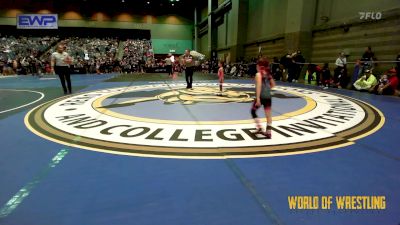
37,21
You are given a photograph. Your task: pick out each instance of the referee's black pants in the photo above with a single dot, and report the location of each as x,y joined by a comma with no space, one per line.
189,76
63,73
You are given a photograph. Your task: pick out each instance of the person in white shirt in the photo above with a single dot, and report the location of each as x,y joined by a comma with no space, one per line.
188,62
60,61
340,72
168,64
341,60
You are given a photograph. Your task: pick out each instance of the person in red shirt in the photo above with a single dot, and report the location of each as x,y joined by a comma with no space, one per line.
391,86
220,76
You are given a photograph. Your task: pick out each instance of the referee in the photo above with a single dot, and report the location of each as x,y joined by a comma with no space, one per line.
188,63
60,61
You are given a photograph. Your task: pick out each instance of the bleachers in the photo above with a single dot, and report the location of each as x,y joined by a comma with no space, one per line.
31,55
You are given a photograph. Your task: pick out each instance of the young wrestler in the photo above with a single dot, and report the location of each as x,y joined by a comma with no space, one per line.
220,76
264,84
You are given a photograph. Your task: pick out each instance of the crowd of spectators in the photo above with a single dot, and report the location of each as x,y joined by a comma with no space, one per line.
91,55
362,78
289,68
21,55
241,68
138,54
31,55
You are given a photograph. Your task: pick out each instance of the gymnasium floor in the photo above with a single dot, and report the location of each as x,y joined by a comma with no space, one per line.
49,178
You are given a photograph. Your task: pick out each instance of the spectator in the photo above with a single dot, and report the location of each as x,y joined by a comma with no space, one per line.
367,59
366,82
299,60
312,74
341,62
381,83
20,54
276,69
340,73
285,61
356,71
252,68
389,87
326,76
291,67
233,71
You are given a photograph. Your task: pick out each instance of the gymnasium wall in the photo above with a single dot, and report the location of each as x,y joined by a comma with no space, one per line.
383,36
330,37
266,19
204,44
228,29
268,26
273,48
203,38
204,13
342,10
222,35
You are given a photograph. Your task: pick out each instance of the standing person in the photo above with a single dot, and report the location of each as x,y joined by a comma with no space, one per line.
313,74
168,64
299,60
356,71
284,63
291,67
220,76
340,73
60,61
367,59
264,84
188,62
276,69
340,63
173,66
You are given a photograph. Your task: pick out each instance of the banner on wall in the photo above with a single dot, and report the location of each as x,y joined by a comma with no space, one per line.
165,46
37,21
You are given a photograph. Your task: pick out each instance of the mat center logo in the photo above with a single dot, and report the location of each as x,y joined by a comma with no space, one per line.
167,120
193,96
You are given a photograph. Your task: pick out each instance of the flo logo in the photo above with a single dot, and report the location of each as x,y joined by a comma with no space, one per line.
370,15
163,120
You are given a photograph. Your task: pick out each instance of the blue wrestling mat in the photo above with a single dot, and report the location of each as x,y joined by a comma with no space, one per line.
154,152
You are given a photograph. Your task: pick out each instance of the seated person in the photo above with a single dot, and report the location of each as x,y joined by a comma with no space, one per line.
389,86
326,76
365,82
312,74
381,82
340,78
